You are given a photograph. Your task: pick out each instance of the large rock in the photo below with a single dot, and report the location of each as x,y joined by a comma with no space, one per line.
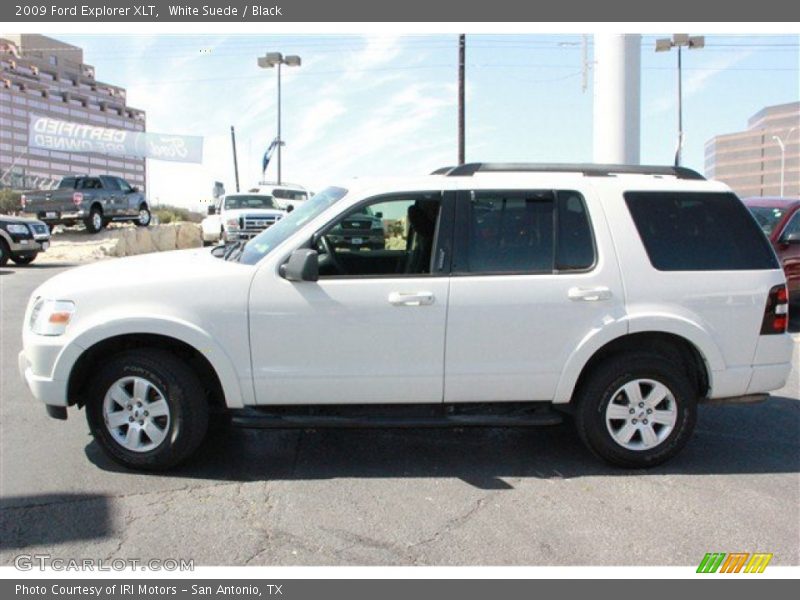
129,241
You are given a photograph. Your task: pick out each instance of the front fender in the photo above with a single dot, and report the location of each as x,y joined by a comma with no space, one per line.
97,330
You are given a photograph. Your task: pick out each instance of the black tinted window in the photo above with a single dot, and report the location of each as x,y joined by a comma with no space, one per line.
527,232
690,231
575,243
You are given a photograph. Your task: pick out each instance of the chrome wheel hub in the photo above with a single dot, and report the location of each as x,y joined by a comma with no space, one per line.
641,414
144,217
136,414
97,220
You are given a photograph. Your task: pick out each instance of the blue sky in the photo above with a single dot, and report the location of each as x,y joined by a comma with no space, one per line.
372,106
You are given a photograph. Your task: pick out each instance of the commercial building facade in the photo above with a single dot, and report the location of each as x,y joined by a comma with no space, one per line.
43,76
750,161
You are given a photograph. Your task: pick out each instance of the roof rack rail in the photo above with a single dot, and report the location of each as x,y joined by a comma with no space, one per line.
587,169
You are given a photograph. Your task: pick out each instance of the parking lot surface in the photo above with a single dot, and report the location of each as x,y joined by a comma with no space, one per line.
394,497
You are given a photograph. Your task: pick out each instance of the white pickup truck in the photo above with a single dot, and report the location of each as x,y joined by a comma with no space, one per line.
240,217
505,295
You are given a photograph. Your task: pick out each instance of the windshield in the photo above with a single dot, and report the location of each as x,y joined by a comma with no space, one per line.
270,238
290,195
242,201
767,217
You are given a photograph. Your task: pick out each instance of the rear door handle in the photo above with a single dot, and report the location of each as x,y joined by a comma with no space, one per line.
411,298
593,294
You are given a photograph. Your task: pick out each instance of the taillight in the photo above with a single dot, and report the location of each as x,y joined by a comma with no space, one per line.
776,314
23,201
77,198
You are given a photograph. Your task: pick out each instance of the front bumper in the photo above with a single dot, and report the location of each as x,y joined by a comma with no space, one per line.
29,245
45,389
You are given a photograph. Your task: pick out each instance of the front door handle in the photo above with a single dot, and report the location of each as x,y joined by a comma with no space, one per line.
592,294
411,298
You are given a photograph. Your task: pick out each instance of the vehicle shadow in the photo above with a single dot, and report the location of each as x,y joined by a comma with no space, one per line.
728,440
51,519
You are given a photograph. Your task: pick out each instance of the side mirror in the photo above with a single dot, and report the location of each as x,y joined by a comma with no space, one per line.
290,208
379,215
791,238
134,190
212,210
303,265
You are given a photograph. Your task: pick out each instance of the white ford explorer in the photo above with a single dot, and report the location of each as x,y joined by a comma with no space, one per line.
504,295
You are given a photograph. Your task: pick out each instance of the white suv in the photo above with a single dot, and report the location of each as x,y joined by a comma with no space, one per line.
503,295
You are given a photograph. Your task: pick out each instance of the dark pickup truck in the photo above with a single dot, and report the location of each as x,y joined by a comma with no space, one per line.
94,200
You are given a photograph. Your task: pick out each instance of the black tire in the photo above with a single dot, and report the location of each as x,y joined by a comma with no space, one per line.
95,222
184,395
25,259
5,253
601,387
139,221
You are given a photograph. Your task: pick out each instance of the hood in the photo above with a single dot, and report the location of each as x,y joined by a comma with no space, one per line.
148,274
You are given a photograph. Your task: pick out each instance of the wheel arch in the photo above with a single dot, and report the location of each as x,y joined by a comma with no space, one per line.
210,362
680,349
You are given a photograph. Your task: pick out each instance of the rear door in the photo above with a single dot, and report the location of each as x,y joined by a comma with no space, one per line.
532,277
113,200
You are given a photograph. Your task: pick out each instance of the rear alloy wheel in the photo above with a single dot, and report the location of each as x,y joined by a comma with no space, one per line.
144,217
95,222
147,409
636,410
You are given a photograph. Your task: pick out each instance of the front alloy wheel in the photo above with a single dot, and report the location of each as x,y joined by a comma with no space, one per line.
136,414
144,217
146,409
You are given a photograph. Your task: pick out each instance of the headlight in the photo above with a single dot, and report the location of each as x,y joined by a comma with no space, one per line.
17,228
51,317
232,224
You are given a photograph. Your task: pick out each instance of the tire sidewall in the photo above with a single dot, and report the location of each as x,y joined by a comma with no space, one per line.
600,391
5,253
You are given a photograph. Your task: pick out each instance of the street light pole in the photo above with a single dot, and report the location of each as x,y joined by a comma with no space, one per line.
782,145
268,61
679,40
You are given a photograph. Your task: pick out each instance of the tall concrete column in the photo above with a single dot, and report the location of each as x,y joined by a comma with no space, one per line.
617,77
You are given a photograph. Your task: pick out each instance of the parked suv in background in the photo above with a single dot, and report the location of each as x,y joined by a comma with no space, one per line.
239,217
360,230
515,294
94,200
779,218
286,196
22,239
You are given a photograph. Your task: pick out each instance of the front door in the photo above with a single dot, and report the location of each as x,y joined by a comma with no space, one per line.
372,328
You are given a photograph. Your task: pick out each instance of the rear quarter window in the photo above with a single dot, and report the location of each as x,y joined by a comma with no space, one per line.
699,231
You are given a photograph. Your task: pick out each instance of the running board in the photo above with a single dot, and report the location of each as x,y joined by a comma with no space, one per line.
261,418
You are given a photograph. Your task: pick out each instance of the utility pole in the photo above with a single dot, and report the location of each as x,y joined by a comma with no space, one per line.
235,162
268,61
462,46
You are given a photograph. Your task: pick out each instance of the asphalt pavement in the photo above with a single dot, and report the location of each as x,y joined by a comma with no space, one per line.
394,497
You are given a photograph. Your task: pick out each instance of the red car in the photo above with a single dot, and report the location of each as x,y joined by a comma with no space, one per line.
780,220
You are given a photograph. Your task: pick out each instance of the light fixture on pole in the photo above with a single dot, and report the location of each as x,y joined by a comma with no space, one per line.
268,61
782,145
679,41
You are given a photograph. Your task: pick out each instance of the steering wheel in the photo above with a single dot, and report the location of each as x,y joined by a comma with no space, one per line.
332,258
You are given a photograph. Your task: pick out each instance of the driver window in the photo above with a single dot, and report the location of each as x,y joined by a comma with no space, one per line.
390,236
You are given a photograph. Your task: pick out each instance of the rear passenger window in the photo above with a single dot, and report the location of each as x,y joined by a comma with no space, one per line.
695,231
525,232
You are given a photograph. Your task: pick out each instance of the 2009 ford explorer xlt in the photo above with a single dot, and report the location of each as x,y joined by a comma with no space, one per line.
503,295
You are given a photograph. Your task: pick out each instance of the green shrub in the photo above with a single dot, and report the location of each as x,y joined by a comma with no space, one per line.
9,201
171,214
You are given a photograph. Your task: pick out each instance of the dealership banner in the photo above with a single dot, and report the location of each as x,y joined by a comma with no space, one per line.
67,136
